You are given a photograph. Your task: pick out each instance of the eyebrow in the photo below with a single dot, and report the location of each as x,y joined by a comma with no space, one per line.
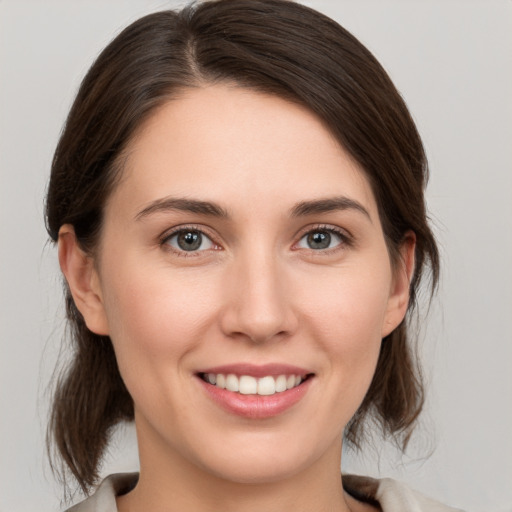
185,205
330,204
210,209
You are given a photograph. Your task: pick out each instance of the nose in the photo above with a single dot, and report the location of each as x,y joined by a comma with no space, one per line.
259,302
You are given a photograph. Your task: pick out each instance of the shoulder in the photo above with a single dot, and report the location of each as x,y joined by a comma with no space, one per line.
391,495
104,498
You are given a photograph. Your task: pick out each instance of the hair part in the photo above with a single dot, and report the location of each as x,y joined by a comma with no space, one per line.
276,47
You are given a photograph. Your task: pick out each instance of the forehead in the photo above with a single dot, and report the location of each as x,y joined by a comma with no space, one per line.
237,146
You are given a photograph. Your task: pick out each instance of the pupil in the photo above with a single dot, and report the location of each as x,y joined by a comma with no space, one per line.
319,240
189,240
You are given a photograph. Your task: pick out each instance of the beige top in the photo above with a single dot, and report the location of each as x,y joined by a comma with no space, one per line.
391,495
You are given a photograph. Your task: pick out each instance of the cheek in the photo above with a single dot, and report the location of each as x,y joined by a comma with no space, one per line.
157,317
348,303
345,317
354,343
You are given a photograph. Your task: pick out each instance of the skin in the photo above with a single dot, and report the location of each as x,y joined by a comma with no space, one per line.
256,293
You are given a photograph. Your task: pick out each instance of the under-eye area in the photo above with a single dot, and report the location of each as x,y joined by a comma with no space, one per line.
249,385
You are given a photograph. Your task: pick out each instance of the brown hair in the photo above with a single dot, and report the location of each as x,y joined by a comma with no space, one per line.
274,46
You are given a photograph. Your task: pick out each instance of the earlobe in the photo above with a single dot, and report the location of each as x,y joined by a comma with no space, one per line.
83,280
400,291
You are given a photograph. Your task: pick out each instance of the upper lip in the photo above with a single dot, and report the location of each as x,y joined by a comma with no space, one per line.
270,369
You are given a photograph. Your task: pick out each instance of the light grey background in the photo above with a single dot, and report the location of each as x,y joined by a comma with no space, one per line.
452,61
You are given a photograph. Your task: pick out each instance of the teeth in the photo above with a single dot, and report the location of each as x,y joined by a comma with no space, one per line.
266,386
281,383
248,385
221,381
232,383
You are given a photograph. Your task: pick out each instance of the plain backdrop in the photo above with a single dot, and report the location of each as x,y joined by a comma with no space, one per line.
452,61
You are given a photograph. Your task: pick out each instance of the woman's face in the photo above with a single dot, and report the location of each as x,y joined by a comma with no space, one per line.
243,245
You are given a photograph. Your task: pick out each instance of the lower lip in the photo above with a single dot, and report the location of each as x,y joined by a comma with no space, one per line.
256,406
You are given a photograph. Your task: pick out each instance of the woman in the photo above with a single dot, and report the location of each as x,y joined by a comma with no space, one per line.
238,202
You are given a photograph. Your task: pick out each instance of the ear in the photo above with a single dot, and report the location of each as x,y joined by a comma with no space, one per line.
400,288
83,280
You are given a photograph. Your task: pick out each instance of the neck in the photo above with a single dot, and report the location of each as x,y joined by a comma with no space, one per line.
170,482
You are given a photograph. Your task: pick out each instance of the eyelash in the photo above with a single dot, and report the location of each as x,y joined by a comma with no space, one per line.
346,239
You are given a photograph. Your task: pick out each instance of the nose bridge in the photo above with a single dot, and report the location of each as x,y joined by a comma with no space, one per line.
259,305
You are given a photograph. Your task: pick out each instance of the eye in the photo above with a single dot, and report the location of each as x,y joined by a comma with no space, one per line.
189,240
321,239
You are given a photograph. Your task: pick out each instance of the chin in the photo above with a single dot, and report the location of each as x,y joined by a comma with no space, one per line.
259,465
259,473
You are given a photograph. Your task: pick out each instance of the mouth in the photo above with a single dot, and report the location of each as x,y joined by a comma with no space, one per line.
255,392
267,385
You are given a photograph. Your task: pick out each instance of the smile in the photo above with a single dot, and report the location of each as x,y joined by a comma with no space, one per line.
249,385
255,391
